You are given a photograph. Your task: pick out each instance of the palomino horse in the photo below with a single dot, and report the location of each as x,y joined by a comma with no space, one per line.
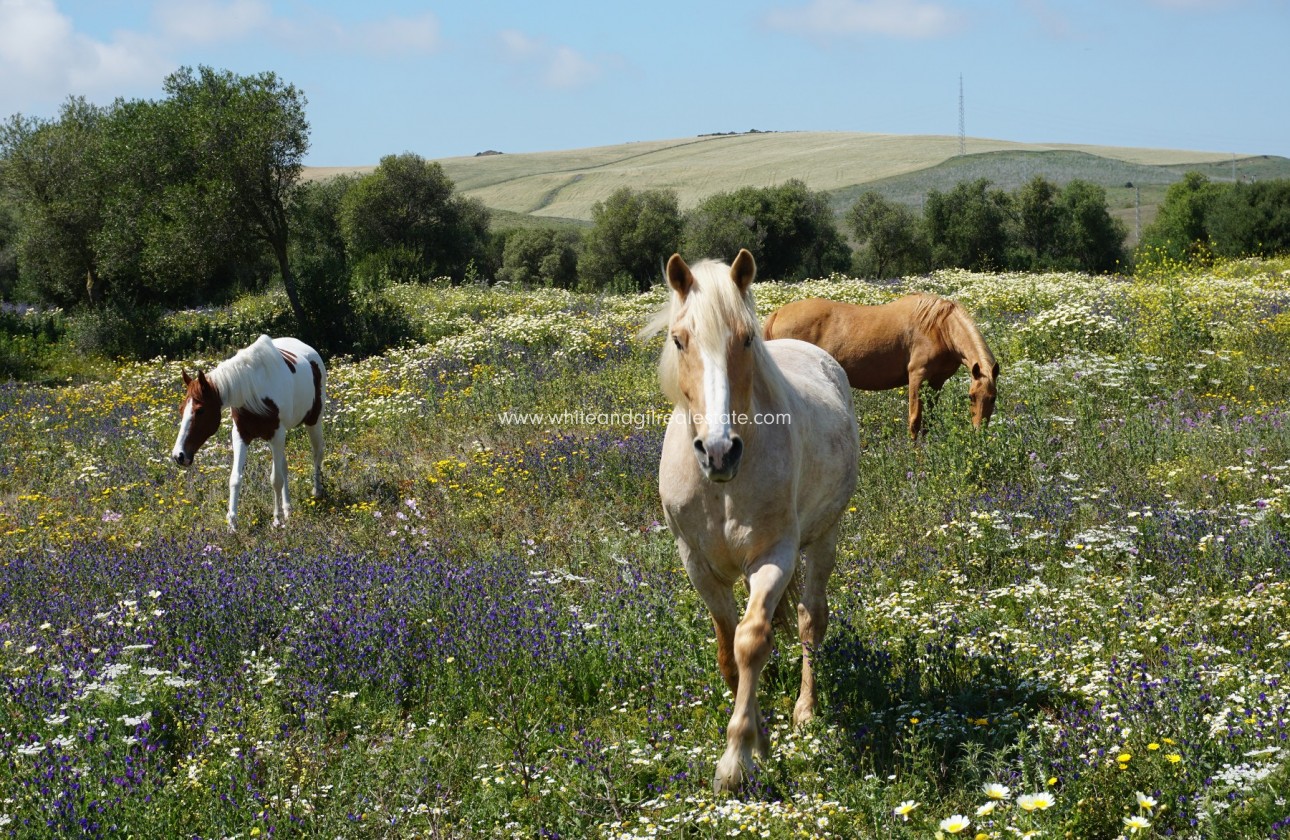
920,337
271,386
758,463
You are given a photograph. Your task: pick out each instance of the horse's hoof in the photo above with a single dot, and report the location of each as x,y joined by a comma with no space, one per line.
729,777
803,713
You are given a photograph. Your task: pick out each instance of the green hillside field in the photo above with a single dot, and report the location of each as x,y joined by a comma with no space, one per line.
567,184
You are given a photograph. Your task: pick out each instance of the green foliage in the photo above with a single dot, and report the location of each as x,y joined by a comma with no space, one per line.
1179,229
789,229
967,227
404,221
631,236
1250,219
150,203
540,257
890,238
52,176
30,342
1090,240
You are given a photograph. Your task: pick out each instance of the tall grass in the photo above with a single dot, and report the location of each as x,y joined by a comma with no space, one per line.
1073,622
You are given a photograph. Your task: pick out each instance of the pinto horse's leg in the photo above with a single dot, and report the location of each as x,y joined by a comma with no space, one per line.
316,445
240,448
813,617
768,578
281,504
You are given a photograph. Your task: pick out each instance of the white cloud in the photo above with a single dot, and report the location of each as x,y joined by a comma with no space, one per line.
557,66
891,18
43,58
207,21
419,34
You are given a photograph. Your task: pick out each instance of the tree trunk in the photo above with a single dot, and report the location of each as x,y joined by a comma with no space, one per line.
293,294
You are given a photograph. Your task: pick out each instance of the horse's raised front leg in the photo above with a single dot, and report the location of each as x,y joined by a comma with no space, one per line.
768,577
813,617
281,504
316,445
240,448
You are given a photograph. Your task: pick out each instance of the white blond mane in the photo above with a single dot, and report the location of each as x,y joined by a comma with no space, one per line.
241,379
712,308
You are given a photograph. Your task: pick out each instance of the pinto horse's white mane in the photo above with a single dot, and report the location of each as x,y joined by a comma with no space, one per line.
241,380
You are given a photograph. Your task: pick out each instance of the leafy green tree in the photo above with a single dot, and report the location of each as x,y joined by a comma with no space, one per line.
540,257
1038,223
9,230
889,237
405,220
319,259
1089,237
967,227
245,138
1179,230
166,238
631,236
1247,219
52,177
788,228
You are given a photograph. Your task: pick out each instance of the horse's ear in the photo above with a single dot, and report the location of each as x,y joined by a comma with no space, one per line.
744,269
187,379
679,276
201,378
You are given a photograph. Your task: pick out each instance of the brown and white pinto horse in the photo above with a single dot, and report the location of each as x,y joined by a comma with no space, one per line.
917,338
269,387
758,463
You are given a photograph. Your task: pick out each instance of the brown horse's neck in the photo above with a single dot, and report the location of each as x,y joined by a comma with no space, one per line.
963,336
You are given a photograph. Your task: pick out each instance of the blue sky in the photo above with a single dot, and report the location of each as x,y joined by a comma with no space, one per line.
453,78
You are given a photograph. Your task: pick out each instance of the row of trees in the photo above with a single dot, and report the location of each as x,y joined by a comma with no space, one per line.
198,197
1200,217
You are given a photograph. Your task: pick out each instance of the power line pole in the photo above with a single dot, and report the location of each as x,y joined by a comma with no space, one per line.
962,133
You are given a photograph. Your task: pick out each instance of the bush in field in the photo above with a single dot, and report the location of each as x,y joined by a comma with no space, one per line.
404,222
540,257
967,227
788,228
890,238
632,234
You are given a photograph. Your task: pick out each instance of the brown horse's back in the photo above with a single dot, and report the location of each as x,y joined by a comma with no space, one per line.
872,343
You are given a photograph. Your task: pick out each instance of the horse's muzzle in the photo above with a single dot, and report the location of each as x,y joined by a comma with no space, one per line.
719,460
182,458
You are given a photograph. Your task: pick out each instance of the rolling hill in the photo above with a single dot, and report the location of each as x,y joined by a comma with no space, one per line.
566,184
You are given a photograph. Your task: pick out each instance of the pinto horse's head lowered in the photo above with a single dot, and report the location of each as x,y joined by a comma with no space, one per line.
199,417
712,357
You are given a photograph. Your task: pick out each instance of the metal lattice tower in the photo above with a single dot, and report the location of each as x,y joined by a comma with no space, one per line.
962,133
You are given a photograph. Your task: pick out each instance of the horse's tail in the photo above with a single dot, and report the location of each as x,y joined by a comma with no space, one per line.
768,329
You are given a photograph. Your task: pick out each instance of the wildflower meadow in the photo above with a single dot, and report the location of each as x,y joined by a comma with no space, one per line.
1072,623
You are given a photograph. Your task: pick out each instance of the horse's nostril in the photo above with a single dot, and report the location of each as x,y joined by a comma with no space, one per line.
736,449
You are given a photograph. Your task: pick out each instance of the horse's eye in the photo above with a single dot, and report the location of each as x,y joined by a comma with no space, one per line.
677,341
748,341
198,411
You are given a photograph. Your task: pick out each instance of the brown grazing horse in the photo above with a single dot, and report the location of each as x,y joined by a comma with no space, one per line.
917,338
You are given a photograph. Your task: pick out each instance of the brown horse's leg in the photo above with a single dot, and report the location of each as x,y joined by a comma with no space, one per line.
813,617
767,580
915,407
